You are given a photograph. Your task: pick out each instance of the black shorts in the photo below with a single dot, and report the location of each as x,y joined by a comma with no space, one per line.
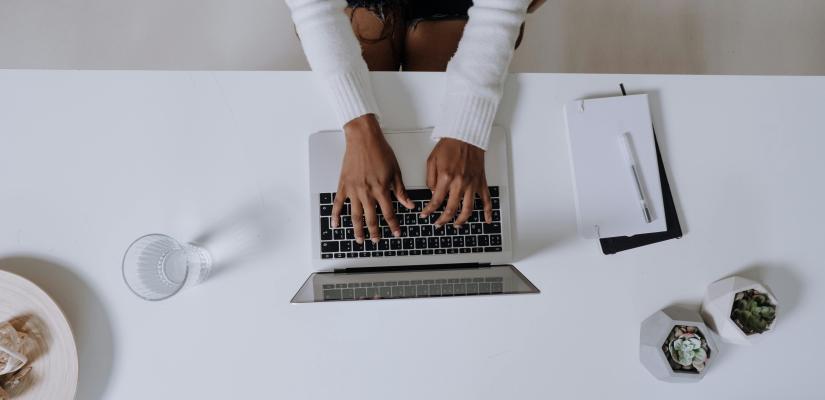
416,10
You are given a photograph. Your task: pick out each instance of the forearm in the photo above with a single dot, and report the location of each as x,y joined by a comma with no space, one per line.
476,74
335,56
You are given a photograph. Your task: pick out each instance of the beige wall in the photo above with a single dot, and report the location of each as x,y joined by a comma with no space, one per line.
627,36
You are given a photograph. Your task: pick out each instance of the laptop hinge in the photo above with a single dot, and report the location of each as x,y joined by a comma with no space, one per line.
406,268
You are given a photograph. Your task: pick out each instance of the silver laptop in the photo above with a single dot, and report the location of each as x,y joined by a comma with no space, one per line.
424,261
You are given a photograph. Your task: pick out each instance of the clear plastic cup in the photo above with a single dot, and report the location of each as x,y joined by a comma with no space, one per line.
156,267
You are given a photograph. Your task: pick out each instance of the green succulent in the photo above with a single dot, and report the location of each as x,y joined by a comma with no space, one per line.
753,312
688,351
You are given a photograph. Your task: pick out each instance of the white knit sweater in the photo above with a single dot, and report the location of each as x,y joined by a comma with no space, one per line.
475,74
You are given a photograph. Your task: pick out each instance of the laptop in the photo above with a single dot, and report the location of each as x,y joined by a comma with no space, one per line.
424,262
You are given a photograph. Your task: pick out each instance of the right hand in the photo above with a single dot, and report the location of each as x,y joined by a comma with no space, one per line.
369,174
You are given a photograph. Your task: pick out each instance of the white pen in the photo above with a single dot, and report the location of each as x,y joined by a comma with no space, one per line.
630,157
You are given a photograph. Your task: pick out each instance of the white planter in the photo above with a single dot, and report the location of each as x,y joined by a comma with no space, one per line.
717,304
655,331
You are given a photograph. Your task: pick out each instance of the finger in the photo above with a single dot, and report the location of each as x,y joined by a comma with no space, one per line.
486,202
401,192
389,215
357,220
452,204
431,175
441,191
368,203
466,208
337,205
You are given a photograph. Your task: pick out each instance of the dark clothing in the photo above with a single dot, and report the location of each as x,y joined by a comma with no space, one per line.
417,10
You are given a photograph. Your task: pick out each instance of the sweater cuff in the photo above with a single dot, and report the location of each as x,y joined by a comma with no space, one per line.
351,95
468,118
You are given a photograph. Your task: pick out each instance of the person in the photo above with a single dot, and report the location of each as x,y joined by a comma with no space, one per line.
473,40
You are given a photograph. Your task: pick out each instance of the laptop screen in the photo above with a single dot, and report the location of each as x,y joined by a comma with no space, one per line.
382,284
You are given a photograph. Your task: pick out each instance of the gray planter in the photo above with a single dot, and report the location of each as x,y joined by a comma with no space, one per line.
655,332
717,305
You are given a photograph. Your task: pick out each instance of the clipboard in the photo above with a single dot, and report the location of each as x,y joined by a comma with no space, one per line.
614,245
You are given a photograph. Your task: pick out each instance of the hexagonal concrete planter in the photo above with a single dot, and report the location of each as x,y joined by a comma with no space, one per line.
718,303
655,332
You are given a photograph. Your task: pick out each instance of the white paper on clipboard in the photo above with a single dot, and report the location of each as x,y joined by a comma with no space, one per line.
607,203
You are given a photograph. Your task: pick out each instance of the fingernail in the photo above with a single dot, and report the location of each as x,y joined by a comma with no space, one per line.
437,226
359,240
396,233
375,240
334,223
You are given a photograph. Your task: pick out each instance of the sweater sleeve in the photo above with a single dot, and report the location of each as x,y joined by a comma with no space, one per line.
476,73
335,56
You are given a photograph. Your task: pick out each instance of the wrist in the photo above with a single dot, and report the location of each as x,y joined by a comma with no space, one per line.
462,143
363,129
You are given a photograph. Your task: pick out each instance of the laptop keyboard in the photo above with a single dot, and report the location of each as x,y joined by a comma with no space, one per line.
418,235
413,288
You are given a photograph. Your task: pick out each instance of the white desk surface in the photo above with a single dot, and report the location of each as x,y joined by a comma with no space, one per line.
89,161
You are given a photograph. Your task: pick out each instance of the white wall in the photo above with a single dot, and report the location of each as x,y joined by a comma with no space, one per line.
629,36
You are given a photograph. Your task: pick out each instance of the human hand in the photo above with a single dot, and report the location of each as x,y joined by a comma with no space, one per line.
368,174
456,168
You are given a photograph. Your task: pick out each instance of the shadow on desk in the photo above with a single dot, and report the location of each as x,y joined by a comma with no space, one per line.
783,282
243,235
86,313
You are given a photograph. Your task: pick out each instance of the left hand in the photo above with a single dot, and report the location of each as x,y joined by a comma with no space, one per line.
456,169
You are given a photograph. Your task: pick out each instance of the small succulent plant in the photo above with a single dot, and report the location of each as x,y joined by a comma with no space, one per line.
753,312
686,349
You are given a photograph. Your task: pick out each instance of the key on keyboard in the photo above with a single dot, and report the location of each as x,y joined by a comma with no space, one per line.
475,236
